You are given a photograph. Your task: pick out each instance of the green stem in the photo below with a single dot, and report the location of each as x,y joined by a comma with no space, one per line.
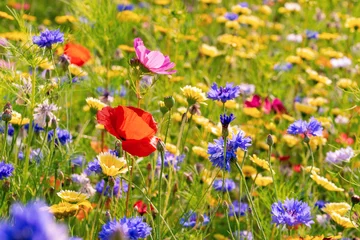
257,219
167,126
95,219
312,166
5,140
272,173
182,128
129,188
158,228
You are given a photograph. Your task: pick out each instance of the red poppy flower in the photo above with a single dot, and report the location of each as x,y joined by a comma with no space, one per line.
133,126
297,168
77,53
141,207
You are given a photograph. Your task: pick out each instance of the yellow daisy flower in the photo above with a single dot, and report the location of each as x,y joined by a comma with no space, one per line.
325,183
95,103
263,181
260,162
193,94
6,15
304,108
112,165
340,208
77,71
253,112
171,148
72,196
343,221
209,51
199,151
17,119
64,210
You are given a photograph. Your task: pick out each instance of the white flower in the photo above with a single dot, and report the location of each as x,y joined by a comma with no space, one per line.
292,7
322,219
44,110
24,89
294,38
341,119
340,62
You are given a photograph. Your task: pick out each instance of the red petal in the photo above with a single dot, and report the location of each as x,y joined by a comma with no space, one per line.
106,117
140,148
77,53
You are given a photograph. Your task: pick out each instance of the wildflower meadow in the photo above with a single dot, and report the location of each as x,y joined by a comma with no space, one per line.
179,119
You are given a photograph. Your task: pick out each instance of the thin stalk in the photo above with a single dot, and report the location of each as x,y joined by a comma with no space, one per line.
312,166
167,126
129,188
257,219
95,219
182,128
5,140
158,227
272,173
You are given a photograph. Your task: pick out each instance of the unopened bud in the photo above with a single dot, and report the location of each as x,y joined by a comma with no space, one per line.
269,140
160,146
355,199
164,110
6,116
6,186
169,102
306,139
195,109
134,62
53,123
7,106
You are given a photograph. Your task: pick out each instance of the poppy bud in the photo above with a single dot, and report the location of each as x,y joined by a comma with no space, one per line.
269,140
148,167
6,116
195,109
160,146
169,102
108,216
199,167
6,186
188,177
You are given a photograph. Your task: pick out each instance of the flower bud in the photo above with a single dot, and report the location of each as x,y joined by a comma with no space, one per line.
7,106
195,109
269,140
169,102
160,146
6,186
355,199
306,139
6,116
164,110
135,62
53,124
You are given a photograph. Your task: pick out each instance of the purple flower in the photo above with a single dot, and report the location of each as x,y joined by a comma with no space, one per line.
118,189
227,186
171,160
311,34
247,89
238,208
226,120
291,213
340,156
320,204
6,170
48,38
223,94
313,127
231,16
63,136
190,219
78,160
32,221
126,228
36,155
93,166
243,235
216,149
125,7
283,67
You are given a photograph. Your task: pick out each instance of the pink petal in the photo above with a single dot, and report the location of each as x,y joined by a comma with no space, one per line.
138,42
141,52
155,59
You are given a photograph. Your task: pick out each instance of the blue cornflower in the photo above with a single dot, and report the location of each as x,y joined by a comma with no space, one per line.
226,120
243,235
340,156
125,7
32,222
223,94
48,38
311,34
313,127
171,160
126,228
36,155
36,127
6,170
63,136
291,213
114,152
283,67
118,188
21,155
320,204
228,185
231,16
238,208
75,238
78,160
93,166
11,130
190,219
216,149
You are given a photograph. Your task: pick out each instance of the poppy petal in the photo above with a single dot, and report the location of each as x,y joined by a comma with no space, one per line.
140,148
106,117
147,117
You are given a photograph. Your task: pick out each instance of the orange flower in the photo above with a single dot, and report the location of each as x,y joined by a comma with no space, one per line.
77,54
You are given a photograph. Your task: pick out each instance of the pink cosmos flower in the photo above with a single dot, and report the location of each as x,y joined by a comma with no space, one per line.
154,61
267,106
254,103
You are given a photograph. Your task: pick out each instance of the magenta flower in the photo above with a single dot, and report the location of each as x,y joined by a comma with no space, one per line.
154,61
